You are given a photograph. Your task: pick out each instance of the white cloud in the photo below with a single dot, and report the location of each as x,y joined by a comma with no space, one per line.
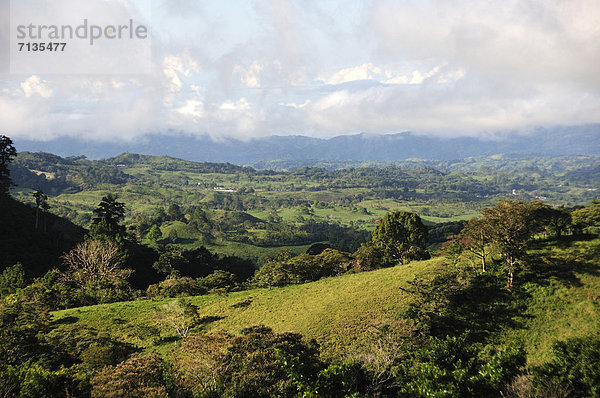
362,72
249,76
34,85
320,68
175,65
194,108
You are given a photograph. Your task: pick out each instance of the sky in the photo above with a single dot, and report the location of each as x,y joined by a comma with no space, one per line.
247,69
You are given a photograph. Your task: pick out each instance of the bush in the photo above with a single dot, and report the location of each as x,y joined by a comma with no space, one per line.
218,281
576,366
12,279
141,376
302,268
174,287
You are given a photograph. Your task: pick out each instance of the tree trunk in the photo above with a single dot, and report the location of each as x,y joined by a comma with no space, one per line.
509,283
483,263
37,217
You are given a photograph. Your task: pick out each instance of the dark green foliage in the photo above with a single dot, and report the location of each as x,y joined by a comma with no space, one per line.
108,217
175,287
402,235
440,232
317,248
370,256
154,234
200,263
302,268
96,270
588,218
38,251
87,346
218,281
11,280
7,154
141,376
557,221
575,367
20,324
454,367
33,379
510,225
258,363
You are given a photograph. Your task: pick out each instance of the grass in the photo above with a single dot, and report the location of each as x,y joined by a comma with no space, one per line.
560,289
563,296
333,311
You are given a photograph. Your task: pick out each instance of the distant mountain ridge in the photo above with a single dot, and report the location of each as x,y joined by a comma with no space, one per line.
559,141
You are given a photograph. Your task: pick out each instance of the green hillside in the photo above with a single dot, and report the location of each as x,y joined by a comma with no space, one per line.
559,294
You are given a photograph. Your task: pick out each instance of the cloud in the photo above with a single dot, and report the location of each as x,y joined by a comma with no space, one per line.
249,76
179,64
321,68
535,40
34,85
362,72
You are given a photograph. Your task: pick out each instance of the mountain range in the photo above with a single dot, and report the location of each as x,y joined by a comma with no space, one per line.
558,141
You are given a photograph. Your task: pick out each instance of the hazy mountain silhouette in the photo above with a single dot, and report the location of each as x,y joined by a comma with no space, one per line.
577,140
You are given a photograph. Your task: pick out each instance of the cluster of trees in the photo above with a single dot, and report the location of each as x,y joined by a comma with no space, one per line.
507,228
398,238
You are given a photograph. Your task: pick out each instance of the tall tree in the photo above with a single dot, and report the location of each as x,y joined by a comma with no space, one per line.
7,154
475,238
511,224
108,216
41,203
402,235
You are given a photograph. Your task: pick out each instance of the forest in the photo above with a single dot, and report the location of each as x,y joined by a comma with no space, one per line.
147,276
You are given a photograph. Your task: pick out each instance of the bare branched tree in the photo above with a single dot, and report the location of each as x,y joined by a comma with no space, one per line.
94,261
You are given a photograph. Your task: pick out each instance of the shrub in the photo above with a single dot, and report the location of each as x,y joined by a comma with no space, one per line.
576,365
141,376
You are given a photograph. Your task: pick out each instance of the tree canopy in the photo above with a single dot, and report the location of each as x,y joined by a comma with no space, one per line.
108,216
7,154
403,236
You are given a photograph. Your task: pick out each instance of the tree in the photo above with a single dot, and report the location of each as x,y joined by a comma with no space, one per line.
402,235
588,217
174,213
181,315
95,267
108,216
12,279
7,154
554,220
154,234
41,202
257,363
369,257
173,235
219,280
559,221
475,238
510,225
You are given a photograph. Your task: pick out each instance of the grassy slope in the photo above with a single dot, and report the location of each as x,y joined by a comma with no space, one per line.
334,311
337,311
565,301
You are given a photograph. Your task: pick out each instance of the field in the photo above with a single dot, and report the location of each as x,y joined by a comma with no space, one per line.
255,213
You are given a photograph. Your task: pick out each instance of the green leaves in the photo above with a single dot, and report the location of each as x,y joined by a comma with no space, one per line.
402,235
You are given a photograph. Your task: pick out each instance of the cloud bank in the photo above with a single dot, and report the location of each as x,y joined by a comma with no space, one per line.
237,69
